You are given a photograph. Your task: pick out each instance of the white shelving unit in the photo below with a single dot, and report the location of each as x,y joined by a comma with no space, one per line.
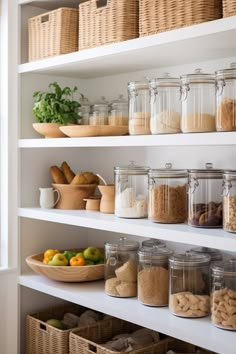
98,71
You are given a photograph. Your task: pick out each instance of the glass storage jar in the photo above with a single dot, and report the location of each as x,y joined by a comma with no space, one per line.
139,108
205,197
223,294
189,285
153,276
84,111
131,191
229,201
215,254
152,242
226,99
165,105
198,102
167,195
121,263
100,113
119,112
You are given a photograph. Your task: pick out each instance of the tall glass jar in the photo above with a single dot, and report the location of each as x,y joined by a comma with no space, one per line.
153,276
152,242
119,112
226,99
189,285
131,191
84,111
121,263
167,195
198,102
205,197
223,295
100,113
165,105
229,201
215,254
139,108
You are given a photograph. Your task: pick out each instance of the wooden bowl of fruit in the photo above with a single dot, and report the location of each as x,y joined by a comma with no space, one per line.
73,265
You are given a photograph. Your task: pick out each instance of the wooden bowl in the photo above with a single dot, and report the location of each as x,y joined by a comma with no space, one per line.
72,196
68,274
49,130
77,131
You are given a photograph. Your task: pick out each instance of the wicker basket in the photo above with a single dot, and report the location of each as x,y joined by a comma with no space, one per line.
164,15
53,33
42,338
116,21
229,8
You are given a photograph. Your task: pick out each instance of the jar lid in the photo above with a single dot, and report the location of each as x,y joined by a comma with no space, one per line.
119,103
190,259
153,242
167,172
138,85
154,253
122,245
84,101
227,73
229,175
102,104
164,81
227,268
215,254
132,169
198,77
208,172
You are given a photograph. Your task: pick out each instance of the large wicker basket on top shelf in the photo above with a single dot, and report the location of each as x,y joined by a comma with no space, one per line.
229,8
114,21
164,15
53,33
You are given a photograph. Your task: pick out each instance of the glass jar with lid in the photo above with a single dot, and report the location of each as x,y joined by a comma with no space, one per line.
215,254
121,267
223,295
100,113
226,99
229,201
131,191
139,108
84,110
198,102
189,285
167,195
119,112
153,276
205,197
152,242
165,105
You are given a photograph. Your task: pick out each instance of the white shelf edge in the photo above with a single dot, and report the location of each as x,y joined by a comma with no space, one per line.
181,233
196,331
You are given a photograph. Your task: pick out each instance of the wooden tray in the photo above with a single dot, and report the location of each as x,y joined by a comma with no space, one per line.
94,130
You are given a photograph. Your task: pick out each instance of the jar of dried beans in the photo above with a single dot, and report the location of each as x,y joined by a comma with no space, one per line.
167,195
205,197
229,201
189,285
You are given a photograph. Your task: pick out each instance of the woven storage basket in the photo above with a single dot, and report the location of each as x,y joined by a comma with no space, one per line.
229,8
42,338
53,33
116,21
164,15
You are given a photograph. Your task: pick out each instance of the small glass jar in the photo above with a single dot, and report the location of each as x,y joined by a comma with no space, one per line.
189,285
84,111
167,195
100,113
205,197
223,295
215,254
153,276
119,112
229,201
226,99
139,108
165,105
131,191
121,263
198,102
152,242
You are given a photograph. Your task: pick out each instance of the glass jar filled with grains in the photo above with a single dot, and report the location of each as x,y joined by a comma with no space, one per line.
99,113
167,195
84,111
119,112
229,201
198,102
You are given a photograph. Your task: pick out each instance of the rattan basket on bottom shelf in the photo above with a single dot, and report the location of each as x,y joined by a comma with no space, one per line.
229,8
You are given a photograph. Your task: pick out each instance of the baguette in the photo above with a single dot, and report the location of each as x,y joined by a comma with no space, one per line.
57,175
68,173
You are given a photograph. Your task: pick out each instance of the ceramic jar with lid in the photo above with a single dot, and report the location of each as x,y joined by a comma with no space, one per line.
121,267
215,254
167,195
153,276
189,285
119,112
205,197
226,99
131,191
165,105
229,201
99,113
139,108
198,102
84,111
223,294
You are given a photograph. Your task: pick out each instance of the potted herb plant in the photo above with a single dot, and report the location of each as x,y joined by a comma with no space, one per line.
55,108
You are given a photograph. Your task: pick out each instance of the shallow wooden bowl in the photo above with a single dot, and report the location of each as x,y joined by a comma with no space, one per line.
70,274
77,131
49,130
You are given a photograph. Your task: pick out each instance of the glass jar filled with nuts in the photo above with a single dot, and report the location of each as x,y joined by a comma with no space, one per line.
229,201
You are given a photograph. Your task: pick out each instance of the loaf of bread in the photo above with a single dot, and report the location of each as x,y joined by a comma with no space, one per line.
57,175
68,173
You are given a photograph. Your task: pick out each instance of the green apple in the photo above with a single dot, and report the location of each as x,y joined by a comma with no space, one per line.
56,323
92,253
58,259
80,254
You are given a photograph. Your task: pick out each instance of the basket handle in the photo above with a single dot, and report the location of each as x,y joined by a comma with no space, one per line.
101,3
45,18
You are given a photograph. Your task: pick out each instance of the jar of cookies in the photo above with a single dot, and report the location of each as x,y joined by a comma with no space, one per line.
229,201
189,285
165,105
153,276
167,195
205,197
226,99
119,112
198,102
99,113
139,108
121,267
223,295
